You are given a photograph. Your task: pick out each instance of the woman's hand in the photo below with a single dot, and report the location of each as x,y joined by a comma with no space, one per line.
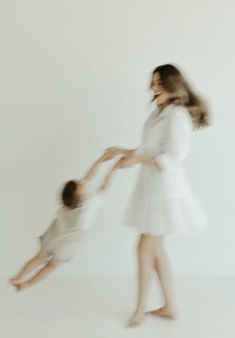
111,153
150,160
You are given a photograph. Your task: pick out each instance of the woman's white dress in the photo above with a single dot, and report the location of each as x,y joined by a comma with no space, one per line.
162,201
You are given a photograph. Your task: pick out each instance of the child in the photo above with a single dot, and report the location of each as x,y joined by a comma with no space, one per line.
58,244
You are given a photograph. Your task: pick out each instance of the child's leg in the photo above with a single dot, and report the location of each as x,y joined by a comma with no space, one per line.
41,274
31,264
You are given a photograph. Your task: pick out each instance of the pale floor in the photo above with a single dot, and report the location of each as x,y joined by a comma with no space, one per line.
100,307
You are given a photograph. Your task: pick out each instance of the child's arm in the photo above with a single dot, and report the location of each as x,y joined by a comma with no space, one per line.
123,162
108,178
93,169
109,154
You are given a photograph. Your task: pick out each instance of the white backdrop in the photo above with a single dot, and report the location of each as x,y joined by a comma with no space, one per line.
74,78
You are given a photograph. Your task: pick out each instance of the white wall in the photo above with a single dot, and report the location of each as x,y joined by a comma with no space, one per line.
74,78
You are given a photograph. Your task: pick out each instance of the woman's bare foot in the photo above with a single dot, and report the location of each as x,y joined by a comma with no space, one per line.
164,311
137,318
14,281
21,286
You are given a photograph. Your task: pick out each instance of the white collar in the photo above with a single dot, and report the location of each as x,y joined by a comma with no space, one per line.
164,112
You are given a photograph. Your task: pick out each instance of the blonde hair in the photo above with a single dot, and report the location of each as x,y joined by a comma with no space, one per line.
182,94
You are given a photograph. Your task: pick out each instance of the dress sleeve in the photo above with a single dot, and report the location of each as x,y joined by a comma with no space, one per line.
177,139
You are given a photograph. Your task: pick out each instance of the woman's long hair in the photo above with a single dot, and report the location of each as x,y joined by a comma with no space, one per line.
182,94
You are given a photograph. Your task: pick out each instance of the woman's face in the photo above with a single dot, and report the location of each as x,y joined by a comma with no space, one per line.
161,95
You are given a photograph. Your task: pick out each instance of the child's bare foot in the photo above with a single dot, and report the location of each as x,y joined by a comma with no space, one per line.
21,286
137,318
164,311
14,281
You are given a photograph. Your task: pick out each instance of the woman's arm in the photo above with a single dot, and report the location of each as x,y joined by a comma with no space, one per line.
141,156
131,156
115,151
127,161
147,159
126,151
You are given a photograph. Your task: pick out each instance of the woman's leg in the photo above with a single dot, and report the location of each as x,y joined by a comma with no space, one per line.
31,264
146,268
41,274
153,256
163,269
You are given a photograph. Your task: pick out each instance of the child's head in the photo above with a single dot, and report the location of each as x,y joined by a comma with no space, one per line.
73,193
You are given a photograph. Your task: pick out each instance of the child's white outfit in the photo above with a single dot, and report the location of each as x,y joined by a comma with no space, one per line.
162,201
61,239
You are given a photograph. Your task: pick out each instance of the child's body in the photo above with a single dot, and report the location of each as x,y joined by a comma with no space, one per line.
60,241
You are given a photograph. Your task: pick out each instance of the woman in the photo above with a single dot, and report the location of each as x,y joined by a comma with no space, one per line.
162,202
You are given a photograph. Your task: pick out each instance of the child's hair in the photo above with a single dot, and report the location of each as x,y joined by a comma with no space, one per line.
182,94
69,195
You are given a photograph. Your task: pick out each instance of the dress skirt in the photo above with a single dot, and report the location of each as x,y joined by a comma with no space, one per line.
162,202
